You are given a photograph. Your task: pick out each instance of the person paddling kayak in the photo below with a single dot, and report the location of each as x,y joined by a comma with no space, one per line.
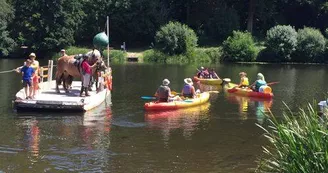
243,80
188,90
256,86
163,92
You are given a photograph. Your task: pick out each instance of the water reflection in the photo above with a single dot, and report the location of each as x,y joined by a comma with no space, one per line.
261,106
32,138
184,119
51,138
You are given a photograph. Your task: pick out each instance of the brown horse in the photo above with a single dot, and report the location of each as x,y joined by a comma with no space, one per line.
66,69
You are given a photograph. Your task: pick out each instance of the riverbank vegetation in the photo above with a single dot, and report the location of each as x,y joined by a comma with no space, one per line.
298,143
46,27
116,56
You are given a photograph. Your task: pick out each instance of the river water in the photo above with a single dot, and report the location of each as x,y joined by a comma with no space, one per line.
220,136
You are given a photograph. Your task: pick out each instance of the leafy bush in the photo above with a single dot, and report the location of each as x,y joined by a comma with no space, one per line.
298,144
213,53
224,21
282,41
240,47
200,55
116,56
73,51
310,45
154,56
175,38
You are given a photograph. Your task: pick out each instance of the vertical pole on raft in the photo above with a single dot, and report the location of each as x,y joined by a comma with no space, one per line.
108,41
50,70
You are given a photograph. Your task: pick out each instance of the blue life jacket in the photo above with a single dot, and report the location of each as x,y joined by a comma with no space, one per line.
186,91
258,84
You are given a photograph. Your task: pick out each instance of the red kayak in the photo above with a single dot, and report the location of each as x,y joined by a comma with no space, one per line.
248,92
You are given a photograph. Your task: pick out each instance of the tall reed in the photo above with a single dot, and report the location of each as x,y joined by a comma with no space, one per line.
298,143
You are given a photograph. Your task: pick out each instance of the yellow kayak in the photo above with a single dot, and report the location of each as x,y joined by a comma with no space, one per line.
200,99
208,81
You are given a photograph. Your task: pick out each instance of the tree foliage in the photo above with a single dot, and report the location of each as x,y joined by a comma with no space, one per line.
311,44
46,25
240,47
6,42
49,25
175,38
282,41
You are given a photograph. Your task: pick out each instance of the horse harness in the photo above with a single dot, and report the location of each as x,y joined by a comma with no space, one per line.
78,62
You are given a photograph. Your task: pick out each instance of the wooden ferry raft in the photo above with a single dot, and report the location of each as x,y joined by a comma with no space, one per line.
48,99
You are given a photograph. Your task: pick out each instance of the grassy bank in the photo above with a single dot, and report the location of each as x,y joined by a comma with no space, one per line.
116,56
200,55
298,143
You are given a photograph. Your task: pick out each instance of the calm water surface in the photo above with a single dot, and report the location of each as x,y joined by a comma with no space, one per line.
220,136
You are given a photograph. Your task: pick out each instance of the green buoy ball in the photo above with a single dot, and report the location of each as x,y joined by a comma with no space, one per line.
100,40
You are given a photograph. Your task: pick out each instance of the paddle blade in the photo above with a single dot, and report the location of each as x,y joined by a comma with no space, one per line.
227,80
148,98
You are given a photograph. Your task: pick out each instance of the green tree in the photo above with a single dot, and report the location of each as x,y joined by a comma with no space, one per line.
7,44
282,41
46,25
175,38
240,47
95,20
310,45
145,18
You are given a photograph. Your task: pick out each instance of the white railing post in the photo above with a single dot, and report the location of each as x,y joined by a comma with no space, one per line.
50,67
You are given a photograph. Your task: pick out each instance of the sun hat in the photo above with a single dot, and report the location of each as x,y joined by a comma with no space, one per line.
166,82
188,81
260,76
32,55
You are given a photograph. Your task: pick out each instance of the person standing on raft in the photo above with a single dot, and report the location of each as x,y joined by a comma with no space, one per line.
86,75
27,73
35,80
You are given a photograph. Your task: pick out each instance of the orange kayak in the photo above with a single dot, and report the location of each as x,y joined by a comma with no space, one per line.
200,99
230,87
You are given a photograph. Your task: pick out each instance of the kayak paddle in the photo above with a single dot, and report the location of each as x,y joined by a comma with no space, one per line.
148,97
271,83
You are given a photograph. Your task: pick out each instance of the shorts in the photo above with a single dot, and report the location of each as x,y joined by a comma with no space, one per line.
27,83
86,80
35,79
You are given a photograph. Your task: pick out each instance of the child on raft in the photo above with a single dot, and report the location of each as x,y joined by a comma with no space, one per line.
27,74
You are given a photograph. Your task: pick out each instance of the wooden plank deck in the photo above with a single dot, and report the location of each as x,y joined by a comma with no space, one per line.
48,98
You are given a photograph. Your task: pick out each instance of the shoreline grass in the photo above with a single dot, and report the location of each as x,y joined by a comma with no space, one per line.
298,143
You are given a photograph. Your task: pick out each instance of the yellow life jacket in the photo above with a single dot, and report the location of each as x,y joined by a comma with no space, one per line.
35,66
245,81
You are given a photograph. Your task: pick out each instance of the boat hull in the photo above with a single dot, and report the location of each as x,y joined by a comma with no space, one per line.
208,81
247,92
201,98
